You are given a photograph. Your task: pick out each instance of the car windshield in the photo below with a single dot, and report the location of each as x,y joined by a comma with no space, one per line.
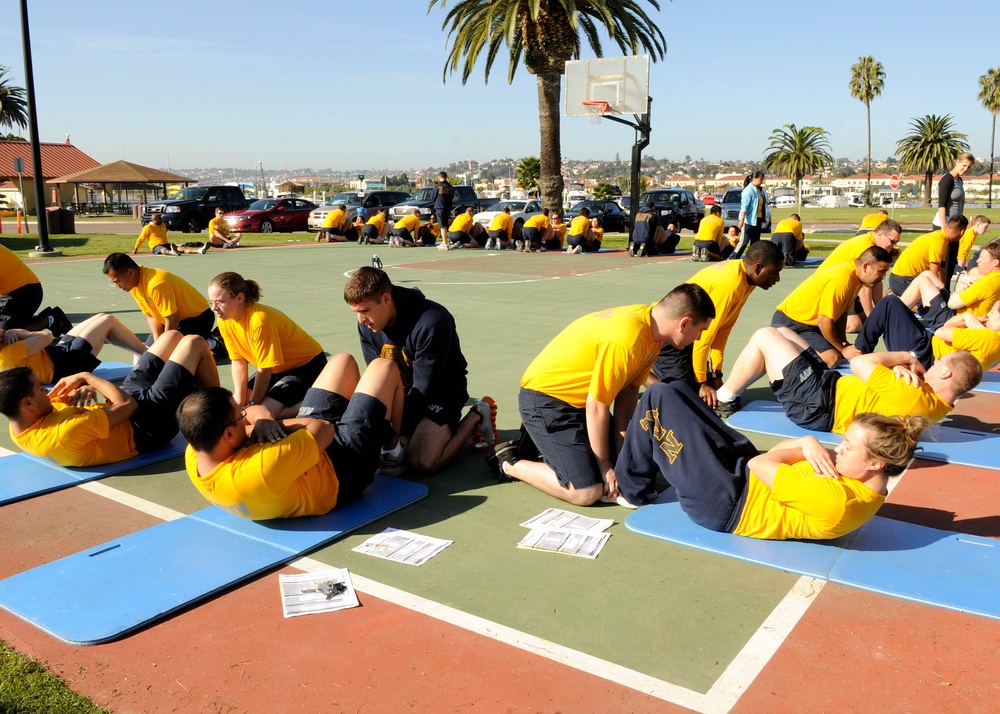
732,195
428,193
350,198
262,205
514,206
190,193
592,206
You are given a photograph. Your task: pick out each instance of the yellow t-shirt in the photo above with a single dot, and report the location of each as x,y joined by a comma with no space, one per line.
926,249
559,232
14,273
726,283
220,225
461,224
268,339
160,294
155,234
789,225
830,292
75,436
378,220
579,226
983,344
289,478
541,222
884,394
16,355
596,355
850,250
334,219
805,505
980,296
872,221
965,244
711,229
596,234
502,222
409,223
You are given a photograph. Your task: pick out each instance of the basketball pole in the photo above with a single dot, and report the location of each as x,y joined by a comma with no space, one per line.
642,127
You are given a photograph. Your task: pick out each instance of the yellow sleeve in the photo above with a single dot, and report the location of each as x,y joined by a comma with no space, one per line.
965,244
143,237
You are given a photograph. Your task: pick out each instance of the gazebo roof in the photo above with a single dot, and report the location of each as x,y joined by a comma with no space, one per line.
122,172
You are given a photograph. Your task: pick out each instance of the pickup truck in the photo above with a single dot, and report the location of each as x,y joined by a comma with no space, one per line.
676,205
190,209
423,199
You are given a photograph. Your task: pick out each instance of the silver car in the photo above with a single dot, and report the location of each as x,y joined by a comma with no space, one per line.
731,210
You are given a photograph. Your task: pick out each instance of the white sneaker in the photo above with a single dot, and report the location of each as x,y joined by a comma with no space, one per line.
389,466
204,249
444,246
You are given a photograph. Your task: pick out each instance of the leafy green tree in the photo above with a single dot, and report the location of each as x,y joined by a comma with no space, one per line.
543,35
989,95
931,146
13,105
603,191
867,79
796,152
528,171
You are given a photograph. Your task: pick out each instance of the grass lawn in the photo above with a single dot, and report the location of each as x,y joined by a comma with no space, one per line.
26,687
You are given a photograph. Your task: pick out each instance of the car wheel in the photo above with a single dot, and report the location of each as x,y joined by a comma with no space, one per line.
192,225
266,227
696,225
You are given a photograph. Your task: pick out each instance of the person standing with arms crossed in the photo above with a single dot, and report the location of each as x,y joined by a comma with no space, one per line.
753,212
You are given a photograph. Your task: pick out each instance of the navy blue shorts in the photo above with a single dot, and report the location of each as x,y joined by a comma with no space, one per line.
71,355
443,216
575,239
532,235
498,235
360,430
402,233
20,305
552,244
289,387
808,391
938,313
369,231
459,237
158,387
899,283
560,433
810,333
674,364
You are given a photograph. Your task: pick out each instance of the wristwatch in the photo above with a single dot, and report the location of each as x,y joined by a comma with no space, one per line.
252,403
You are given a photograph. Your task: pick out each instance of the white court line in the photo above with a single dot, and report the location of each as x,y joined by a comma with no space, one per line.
723,695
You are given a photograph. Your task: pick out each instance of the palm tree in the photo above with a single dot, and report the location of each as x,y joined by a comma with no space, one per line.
933,144
13,107
796,152
867,78
528,171
544,34
989,95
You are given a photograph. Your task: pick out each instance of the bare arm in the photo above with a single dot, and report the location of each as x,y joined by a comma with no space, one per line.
765,466
322,431
172,322
155,328
74,388
34,342
240,370
598,424
624,407
863,365
834,333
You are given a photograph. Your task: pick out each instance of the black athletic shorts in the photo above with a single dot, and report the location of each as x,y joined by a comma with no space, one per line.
20,305
289,387
808,391
559,430
158,387
532,235
938,313
810,333
70,355
899,283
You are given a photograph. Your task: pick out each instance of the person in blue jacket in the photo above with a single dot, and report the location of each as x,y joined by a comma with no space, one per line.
753,212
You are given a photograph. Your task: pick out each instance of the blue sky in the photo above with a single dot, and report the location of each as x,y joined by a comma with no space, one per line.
356,85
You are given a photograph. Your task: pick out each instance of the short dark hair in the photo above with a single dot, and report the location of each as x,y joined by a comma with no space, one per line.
715,210
15,385
959,221
874,254
764,252
367,283
204,415
688,300
119,262
650,204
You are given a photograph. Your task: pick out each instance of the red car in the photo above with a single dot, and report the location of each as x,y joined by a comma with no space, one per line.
268,215
708,199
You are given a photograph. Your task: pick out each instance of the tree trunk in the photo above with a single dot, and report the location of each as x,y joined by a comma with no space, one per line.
993,138
550,180
928,179
868,186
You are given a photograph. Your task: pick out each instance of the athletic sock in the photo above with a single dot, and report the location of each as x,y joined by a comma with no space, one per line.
724,395
395,452
503,467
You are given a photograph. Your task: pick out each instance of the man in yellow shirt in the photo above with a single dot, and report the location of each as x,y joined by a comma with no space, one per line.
67,426
558,234
536,231
463,230
938,306
977,227
220,234
374,229
156,234
926,252
327,457
872,221
500,230
729,284
334,226
788,236
817,308
597,363
817,397
708,243
21,295
406,230
578,236
167,301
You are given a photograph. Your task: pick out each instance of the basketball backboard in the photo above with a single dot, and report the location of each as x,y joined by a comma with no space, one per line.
622,82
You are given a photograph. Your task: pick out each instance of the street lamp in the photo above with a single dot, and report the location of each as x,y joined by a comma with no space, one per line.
361,182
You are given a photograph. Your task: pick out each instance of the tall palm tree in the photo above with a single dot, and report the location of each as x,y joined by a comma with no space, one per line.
528,171
544,34
13,106
796,152
989,95
867,78
932,145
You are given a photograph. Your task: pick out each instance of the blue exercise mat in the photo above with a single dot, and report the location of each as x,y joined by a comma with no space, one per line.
903,560
946,444
23,475
112,371
109,591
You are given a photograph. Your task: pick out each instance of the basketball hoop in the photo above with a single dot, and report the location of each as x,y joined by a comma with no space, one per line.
595,110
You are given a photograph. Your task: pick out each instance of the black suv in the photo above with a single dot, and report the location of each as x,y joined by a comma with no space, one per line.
423,199
676,205
191,208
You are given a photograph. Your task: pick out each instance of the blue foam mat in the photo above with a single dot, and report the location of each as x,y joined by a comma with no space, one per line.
946,444
903,560
106,592
23,475
112,371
